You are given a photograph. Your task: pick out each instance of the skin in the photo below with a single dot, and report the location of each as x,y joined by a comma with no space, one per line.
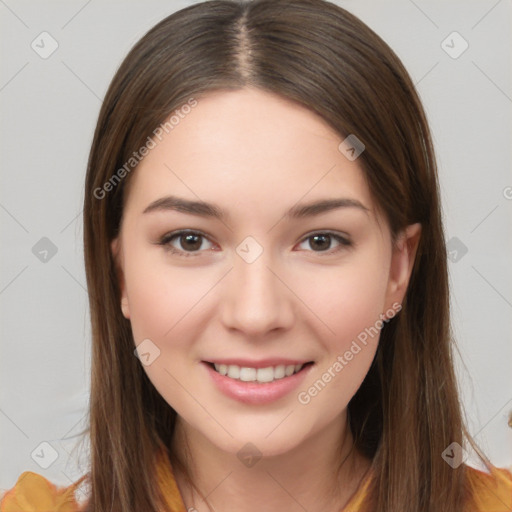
256,155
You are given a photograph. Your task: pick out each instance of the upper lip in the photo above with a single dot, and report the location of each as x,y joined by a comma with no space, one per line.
262,363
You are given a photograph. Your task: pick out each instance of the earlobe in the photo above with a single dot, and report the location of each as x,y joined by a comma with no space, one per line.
402,262
115,247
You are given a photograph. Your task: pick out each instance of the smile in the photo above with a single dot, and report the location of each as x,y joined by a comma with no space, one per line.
257,383
263,375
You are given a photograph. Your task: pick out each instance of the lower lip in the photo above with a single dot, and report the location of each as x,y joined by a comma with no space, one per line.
256,393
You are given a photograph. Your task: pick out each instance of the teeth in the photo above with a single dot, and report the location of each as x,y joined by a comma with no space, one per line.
248,374
233,371
265,374
268,374
279,371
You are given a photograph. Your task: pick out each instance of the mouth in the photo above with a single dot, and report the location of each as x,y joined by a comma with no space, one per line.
262,375
257,382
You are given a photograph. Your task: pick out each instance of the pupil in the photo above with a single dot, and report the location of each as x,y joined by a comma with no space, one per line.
324,238
193,241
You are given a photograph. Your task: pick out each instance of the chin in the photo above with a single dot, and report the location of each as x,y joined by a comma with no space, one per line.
258,443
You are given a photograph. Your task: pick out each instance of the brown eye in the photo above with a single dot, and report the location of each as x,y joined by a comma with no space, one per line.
190,242
322,242
184,243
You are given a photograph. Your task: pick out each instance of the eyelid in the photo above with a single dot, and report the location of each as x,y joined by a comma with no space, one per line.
333,233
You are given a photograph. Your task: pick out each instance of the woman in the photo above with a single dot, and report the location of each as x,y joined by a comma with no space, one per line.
262,231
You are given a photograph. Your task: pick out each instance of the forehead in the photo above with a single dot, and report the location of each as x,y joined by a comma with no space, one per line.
247,148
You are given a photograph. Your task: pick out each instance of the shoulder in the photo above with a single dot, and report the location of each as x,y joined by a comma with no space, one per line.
33,492
492,490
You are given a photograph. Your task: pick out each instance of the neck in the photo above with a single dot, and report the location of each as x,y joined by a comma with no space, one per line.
321,474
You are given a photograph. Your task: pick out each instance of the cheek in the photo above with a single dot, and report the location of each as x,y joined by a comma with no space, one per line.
349,298
160,297
356,297
164,304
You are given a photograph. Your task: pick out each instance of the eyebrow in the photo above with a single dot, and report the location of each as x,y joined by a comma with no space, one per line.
204,209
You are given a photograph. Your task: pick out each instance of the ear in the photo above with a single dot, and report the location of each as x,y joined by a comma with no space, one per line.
402,262
117,255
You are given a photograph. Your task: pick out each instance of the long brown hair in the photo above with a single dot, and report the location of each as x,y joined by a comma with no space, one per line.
407,410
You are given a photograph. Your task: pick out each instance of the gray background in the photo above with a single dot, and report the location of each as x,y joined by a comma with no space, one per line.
49,109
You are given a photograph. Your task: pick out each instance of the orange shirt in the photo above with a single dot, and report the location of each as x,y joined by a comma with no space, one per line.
34,493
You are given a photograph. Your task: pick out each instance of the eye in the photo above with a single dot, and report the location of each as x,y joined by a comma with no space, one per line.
184,243
188,243
321,242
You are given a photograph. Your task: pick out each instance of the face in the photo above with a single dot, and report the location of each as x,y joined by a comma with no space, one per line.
259,282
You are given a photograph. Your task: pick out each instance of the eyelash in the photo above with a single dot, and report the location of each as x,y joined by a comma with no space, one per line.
166,240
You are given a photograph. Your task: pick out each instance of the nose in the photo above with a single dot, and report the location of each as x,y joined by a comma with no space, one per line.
257,299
